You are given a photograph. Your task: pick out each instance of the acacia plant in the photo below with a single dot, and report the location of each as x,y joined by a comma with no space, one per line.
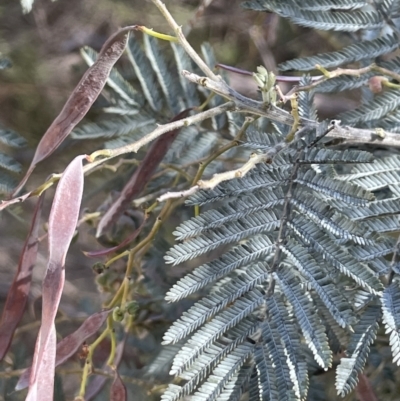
288,236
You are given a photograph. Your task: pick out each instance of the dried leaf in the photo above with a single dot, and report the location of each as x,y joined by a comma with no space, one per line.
19,290
70,344
141,176
98,382
80,100
62,223
364,389
125,242
118,390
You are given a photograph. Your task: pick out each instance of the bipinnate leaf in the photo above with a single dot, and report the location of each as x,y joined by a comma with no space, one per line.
9,137
80,100
141,176
391,317
70,344
118,390
350,367
62,223
18,292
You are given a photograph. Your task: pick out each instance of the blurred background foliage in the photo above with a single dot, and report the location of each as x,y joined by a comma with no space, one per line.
44,49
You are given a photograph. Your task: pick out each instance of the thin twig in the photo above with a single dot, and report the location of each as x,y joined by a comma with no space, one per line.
229,175
180,194
255,158
182,40
346,71
161,129
245,104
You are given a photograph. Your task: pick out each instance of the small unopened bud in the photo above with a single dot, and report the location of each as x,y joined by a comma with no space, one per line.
118,314
98,267
132,307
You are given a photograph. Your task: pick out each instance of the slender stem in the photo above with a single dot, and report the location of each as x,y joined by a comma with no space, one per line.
110,361
180,194
161,129
177,169
182,40
116,298
100,372
228,175
115,258
127,279
89,360
85,375
222,150
157,35
347,71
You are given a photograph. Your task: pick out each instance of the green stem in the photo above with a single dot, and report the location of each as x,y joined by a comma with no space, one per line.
89,360
111,332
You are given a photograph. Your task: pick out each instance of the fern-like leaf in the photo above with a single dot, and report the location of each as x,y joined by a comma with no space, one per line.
321,283
350,54
335,189
391,317
325,5
219,121
123,126
282,320
264,221
261,177
243,255
185,63
238,385
265,382
323,20
10,138
168,81
234,211
358,350
10,164
287,390
213,330
144,74
307,319
223,373
218,299
7,183
374,110
323,155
